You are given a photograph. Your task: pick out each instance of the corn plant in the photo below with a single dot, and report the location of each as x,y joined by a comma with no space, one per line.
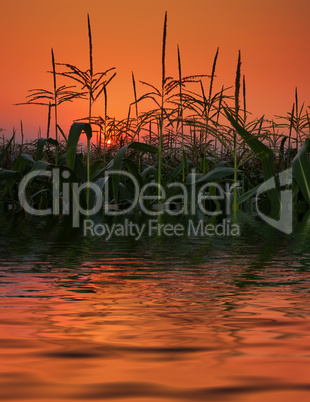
52,98
93,83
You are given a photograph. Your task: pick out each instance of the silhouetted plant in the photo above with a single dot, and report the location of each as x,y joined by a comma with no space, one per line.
52,98
93,83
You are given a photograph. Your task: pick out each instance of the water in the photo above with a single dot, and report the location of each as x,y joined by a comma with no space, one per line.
200,319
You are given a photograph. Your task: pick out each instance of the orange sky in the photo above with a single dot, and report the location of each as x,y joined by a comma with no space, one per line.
273,36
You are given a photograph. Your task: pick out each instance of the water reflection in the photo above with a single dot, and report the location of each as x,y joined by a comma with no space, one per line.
190,319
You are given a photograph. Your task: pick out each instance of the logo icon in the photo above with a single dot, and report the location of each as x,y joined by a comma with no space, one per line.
285,221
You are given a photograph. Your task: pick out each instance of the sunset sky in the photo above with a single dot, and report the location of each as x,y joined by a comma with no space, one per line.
273,36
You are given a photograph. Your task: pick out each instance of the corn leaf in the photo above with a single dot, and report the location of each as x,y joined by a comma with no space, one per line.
73,139
266,156
301,170
117,163
41,144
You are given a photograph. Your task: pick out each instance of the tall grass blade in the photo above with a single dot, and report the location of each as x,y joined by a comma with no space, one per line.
5,150
213,73
237,92
136,105
161,124
63,134
244,99
181,111
90,67
55,105
237,87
